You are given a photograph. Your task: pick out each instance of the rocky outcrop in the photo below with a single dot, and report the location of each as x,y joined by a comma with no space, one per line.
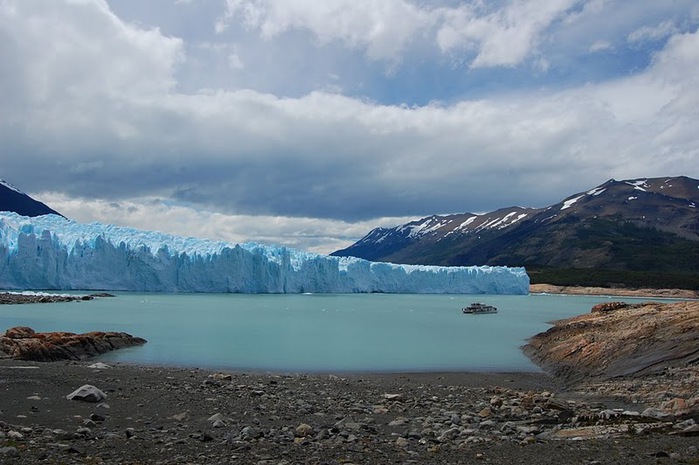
644,352
621,341
23,343
609,306
42,298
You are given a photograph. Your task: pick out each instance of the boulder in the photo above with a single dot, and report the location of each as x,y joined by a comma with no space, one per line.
20,332
87,393
608,307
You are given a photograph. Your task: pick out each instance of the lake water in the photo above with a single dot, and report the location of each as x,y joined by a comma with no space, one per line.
312,333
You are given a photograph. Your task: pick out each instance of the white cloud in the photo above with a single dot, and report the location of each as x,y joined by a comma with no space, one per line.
235,62
676,69
591,8
678,62
385,28
659,129
78,50
155,214
600,45
505,37
661,31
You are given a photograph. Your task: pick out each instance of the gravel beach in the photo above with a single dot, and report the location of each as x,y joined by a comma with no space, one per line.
182,415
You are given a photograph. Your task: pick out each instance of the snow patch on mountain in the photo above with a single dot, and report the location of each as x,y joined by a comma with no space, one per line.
428,226
467,222
570,202
639,184
505,221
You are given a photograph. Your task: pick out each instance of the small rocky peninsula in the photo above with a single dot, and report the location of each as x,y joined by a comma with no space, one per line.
642,353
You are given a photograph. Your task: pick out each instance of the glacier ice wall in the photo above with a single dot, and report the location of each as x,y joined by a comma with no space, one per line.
51,252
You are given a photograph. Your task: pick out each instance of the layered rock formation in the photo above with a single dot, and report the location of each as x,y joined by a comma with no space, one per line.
642,352
42,298
23,343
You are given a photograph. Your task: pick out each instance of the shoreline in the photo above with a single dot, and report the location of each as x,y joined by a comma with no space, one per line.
613,292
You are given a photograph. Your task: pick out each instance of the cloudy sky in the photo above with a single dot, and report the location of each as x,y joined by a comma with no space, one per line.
307,123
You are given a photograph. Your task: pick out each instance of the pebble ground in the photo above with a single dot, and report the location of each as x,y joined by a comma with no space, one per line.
156,415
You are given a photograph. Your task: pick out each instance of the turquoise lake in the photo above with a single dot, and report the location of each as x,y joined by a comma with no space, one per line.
312,333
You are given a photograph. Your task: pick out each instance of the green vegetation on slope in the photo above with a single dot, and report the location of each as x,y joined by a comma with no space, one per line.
613,278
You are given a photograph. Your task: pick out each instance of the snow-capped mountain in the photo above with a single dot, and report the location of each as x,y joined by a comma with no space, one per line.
14,200
664,204
389,243
626,225
51,252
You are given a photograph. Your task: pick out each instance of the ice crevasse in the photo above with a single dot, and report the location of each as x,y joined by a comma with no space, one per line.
51,252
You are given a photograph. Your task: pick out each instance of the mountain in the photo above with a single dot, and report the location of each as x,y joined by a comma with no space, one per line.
14,200
631,225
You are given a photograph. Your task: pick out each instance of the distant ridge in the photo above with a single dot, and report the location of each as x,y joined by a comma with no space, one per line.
14,200
645,225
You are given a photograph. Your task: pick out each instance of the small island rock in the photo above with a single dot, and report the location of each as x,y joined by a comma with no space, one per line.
23,343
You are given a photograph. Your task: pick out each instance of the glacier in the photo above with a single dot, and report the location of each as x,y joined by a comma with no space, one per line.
53,253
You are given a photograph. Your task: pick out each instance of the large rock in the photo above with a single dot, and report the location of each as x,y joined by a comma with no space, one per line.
619,340
87,393
23,343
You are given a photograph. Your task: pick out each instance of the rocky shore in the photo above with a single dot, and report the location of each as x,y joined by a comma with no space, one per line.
173,416
641,353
